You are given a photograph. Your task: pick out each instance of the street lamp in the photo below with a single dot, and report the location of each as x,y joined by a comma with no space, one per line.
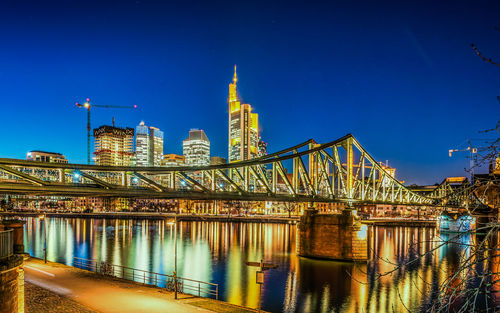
175,253
42,218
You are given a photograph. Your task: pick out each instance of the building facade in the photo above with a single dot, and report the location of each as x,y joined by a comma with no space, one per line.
43,156
243,127
196,148
172,160
114,146
216,160
149,146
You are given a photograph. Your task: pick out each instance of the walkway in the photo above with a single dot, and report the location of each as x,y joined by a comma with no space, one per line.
105,294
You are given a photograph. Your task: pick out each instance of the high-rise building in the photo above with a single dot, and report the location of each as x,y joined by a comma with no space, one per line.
148,146
243,127
262,148
43,156
386,182
170,160
196,148
114,146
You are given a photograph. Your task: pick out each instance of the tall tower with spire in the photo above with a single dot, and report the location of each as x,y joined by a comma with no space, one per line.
243,127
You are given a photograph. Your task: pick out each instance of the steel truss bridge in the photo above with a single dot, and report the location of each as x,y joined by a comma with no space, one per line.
337,171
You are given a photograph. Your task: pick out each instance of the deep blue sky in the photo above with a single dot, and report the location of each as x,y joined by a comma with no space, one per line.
401,77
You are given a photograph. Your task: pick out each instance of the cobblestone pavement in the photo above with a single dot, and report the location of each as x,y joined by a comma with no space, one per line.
41,300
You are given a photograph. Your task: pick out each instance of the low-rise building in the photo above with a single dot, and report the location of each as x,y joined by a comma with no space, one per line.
43,156
216,160
172,160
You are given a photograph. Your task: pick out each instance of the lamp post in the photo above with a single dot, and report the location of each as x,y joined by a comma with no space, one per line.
42,217
175,254
259,279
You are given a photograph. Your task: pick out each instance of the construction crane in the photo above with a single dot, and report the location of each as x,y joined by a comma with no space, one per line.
473,155
87,105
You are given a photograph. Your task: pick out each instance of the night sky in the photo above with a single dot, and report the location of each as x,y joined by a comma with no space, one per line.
401,77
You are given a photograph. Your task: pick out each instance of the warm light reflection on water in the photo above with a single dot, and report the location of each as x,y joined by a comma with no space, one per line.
216,252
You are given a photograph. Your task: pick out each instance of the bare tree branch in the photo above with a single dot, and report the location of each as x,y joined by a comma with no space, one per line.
482,56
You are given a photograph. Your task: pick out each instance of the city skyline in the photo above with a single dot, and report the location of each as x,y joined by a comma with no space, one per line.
249,156
419,91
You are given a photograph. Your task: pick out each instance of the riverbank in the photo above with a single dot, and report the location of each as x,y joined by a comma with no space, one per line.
218,218
393,222
58,284
163,216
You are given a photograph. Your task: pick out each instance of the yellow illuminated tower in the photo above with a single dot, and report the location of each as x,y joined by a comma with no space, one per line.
243,127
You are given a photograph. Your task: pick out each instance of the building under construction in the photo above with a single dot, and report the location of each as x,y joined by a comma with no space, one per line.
114,146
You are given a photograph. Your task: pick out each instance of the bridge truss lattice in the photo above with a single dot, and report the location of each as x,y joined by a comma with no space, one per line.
337,171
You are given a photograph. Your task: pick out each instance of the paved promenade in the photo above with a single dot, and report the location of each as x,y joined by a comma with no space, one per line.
97,293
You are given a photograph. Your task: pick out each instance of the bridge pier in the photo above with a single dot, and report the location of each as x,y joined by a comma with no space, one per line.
11,267
332,236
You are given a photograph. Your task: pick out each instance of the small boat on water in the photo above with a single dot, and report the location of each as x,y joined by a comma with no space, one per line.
459,222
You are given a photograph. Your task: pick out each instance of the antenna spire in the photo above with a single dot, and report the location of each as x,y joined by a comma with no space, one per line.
235,77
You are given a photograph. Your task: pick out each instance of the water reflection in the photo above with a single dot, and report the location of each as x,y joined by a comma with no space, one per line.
216,252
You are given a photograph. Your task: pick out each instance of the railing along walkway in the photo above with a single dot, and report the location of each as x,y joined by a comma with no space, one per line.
184,285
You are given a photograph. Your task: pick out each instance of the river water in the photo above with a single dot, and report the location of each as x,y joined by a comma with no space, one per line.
216,252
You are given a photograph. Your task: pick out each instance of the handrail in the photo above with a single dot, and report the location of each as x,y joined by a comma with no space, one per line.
184,285
6,243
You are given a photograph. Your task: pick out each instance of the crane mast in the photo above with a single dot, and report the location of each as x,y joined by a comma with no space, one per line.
87,105
473,153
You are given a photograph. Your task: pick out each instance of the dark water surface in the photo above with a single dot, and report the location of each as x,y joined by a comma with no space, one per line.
216,252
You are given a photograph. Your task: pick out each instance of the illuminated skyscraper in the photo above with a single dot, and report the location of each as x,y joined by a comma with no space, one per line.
243,127
196,148
149,145
114,146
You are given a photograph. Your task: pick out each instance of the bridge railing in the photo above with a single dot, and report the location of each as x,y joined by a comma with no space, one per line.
6,243
184,285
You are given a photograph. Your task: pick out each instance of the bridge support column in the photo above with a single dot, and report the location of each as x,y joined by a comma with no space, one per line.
332,236
11,269
18,237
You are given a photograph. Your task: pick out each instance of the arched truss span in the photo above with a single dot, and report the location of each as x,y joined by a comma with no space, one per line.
337,171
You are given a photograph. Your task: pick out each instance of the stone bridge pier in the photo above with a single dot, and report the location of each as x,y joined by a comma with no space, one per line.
332,236
11,272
